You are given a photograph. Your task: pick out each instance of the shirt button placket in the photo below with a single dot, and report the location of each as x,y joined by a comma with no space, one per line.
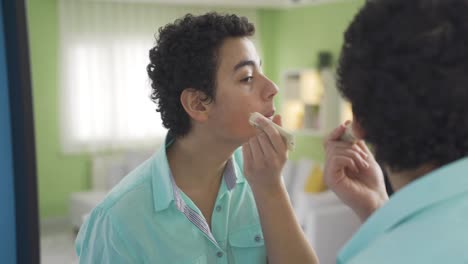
258,238
222,257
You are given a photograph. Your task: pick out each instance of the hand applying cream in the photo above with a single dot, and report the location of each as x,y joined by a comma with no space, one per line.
348,135
288,136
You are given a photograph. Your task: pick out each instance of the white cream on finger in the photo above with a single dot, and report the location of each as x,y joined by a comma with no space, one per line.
348,135
288,136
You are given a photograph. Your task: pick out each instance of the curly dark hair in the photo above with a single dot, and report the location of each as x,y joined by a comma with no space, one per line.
404,68
185,56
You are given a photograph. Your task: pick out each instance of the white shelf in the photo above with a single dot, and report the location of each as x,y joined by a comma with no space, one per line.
311,104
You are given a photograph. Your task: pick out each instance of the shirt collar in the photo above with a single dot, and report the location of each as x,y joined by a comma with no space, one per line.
164,188
230,175
436,186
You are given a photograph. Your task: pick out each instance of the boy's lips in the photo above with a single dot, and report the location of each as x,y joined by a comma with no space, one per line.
270,114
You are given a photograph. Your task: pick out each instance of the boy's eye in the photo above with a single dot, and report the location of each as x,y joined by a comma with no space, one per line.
247,79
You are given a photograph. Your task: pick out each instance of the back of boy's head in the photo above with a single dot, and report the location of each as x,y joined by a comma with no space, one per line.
185,56
404,68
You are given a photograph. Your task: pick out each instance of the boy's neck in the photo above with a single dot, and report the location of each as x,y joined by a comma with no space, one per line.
198,161
197,164
402,178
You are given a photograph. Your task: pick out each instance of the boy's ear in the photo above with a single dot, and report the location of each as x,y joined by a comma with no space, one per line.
195,104
358,131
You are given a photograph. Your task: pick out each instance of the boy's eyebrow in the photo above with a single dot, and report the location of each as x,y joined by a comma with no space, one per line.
246,63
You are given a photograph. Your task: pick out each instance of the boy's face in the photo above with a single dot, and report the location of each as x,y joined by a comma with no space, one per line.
241,88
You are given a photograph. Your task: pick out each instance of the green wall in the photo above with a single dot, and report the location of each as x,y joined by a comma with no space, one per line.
291,39
58,174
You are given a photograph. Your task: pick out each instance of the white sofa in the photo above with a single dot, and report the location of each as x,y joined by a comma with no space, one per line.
106,172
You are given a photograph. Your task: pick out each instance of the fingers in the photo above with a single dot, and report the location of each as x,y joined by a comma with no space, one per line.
358,151
347,145
256,149
362,145
334,138
277,142
265,144
264,154
341,154
335,135
277,119
266,150
353,154
342,162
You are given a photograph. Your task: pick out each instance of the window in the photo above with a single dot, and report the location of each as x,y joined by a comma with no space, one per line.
104,88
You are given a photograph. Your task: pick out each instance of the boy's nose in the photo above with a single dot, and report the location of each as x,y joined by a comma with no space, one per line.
270,89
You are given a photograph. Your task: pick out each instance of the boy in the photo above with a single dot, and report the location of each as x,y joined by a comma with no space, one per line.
190,203
404,69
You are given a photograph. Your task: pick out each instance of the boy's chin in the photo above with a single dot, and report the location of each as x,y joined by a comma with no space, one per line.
243,135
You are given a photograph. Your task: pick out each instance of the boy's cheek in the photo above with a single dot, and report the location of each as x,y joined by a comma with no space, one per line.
242,128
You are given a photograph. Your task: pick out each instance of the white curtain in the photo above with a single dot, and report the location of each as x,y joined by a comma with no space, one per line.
103,84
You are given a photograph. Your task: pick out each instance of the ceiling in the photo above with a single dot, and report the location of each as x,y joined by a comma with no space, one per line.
232,3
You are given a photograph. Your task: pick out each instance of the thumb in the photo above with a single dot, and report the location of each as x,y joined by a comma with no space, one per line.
277,120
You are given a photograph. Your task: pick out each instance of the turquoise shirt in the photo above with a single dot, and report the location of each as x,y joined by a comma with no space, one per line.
425,222
146,218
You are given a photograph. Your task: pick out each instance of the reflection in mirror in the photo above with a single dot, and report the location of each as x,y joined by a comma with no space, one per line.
94,120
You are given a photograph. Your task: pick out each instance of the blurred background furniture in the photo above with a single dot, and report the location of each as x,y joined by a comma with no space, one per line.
327,222
107,171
